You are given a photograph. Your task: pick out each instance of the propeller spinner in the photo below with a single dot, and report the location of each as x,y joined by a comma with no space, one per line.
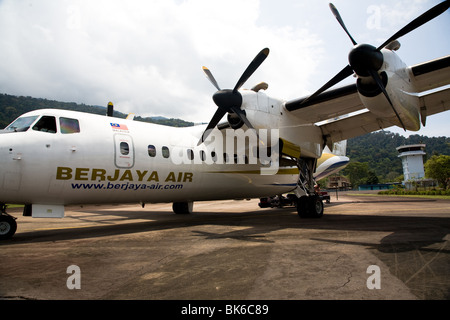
366,60
230,100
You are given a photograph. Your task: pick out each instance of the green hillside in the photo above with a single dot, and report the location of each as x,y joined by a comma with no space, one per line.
378,150
12,106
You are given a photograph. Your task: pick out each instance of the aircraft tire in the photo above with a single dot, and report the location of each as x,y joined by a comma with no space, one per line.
310,207
8,227
316,207
183,207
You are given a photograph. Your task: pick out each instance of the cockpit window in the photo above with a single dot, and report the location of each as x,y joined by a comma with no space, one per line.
46,124
21,124
68,125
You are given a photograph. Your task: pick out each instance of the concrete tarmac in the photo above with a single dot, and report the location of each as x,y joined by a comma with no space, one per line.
370,248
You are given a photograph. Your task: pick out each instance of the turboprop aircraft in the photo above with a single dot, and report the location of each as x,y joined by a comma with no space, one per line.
51,158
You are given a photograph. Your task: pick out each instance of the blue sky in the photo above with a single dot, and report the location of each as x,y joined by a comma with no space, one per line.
146,55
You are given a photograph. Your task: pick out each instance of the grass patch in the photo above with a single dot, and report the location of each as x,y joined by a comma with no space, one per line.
427,193
440,197
14,205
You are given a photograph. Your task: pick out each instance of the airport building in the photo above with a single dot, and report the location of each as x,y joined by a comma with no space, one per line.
412,161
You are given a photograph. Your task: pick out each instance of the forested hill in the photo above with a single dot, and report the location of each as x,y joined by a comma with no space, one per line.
12,106
378,149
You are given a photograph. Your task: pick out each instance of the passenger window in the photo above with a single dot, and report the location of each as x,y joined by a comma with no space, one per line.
46,124
68,125
124,148
214,156
202,155
190,154
165,152
151,150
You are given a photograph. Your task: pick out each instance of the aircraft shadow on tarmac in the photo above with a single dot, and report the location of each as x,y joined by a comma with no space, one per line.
406,232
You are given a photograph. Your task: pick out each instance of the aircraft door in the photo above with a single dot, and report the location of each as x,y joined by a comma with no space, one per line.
123,151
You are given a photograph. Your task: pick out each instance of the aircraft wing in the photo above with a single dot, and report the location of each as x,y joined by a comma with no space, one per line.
432,74
435,102
328,105
353,126
331,104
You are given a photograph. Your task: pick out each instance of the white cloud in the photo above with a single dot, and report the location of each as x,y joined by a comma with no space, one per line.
146,55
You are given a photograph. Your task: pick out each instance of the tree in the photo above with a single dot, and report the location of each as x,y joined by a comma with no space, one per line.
357,172
371,178
438,167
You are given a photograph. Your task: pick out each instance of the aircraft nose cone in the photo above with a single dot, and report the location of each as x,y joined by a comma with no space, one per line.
364,57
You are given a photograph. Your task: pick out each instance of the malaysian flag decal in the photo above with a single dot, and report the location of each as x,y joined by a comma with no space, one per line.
117,126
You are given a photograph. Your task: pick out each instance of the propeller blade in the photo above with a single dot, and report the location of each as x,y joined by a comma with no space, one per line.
344,73
424,18
231,100
214,121
341,22
380,84
211,77
260,57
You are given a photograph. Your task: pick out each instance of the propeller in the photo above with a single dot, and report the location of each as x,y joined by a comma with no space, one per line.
230,100
366,60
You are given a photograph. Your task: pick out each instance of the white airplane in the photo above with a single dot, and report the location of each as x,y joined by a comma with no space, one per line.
52,158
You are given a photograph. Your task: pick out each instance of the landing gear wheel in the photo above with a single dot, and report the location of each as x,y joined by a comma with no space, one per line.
8,227
317,207
183,207
310,207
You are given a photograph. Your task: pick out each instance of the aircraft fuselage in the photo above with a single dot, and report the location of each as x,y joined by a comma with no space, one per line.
112,160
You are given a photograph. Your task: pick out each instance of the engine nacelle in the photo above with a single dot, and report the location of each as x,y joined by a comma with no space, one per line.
265,112
396,78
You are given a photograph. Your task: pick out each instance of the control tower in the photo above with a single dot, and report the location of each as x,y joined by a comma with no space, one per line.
412,160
